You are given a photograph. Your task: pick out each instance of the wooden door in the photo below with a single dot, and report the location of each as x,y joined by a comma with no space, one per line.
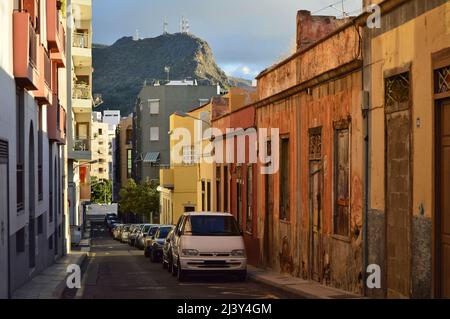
315,204
268,220
443,224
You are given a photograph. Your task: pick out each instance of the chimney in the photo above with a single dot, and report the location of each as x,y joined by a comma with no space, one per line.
312,28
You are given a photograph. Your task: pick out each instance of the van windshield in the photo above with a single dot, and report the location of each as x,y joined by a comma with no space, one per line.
211,226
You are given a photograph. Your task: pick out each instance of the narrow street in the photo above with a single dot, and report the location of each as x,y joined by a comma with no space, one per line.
117,271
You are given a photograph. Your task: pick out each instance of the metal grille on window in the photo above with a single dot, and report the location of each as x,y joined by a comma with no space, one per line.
443,80
315,146
397,89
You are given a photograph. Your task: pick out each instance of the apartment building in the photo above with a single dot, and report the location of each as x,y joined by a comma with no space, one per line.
79,115
155,104
101,147
33,108
125,159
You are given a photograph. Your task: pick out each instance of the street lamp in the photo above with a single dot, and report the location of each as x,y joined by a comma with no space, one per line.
183,114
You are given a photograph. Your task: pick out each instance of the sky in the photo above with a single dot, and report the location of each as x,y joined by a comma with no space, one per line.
246,36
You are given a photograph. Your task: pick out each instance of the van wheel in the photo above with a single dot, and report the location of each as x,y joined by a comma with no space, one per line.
242,276
181,275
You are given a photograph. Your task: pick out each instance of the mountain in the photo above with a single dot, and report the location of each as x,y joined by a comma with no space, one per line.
120,70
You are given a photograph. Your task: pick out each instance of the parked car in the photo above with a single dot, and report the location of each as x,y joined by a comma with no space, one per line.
125,233
110,218
208,242
148,240
117,233
140,238
167,251
157,242
133,233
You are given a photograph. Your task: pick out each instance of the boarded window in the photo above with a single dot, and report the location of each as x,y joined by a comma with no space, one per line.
285,179
397,92
341,220
239,195
218,183
249,215
225,189
154,134
442,80
154,107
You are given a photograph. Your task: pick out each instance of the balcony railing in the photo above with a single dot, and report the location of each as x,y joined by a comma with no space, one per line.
47,70
33,46
81,40
82,92
81,145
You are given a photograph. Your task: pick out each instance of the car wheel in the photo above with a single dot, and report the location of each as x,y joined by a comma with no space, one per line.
152,256
174,269
242,276
181,274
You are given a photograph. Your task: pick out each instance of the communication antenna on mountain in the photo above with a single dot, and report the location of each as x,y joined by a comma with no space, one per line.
136,37
167,70
165,26
184,25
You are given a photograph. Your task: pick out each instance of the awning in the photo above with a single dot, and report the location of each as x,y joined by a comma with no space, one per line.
152,158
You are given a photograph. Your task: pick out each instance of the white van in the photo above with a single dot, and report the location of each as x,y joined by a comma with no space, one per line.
208,242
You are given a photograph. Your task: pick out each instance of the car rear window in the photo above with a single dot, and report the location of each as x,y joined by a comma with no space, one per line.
164,231
211,226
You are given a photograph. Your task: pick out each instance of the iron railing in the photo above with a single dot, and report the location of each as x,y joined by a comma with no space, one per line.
33,46
82,91
81,40
81,145
47,70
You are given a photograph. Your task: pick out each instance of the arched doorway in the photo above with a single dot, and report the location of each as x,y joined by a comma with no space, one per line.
31,200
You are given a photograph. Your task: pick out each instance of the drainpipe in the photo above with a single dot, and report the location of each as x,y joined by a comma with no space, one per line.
366,115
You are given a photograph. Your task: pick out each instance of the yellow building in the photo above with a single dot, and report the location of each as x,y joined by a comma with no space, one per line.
179,182
407,72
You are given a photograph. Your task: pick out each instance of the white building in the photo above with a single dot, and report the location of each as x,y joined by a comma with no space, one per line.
33,104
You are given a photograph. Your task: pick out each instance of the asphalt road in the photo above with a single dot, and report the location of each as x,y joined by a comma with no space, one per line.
117,271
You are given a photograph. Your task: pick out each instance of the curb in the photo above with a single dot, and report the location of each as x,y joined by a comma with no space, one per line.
291,292
59,291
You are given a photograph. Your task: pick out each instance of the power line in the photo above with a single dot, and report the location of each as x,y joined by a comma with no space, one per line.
331,6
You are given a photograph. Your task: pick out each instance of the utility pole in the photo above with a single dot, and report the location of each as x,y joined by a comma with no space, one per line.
165,26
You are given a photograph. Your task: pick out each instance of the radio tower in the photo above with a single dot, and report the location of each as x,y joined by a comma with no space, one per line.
184,25
165,26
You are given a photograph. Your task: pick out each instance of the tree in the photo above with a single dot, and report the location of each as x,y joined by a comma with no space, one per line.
101,192
142,199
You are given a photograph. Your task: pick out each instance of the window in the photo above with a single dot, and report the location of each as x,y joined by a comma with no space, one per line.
203,195
154,134
50,243
154,107
225,189
211,226
100,131
188,155
129,136
218,183
249,219
341,218
40,224
208,196
129,163
285,180
20,241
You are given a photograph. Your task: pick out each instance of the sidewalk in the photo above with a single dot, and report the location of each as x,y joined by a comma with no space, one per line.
297,287
51,283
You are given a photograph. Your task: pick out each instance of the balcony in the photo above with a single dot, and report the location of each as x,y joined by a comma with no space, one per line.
82,49
80,149
166,179
82,98
44,95
56,121
25,51
55,33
